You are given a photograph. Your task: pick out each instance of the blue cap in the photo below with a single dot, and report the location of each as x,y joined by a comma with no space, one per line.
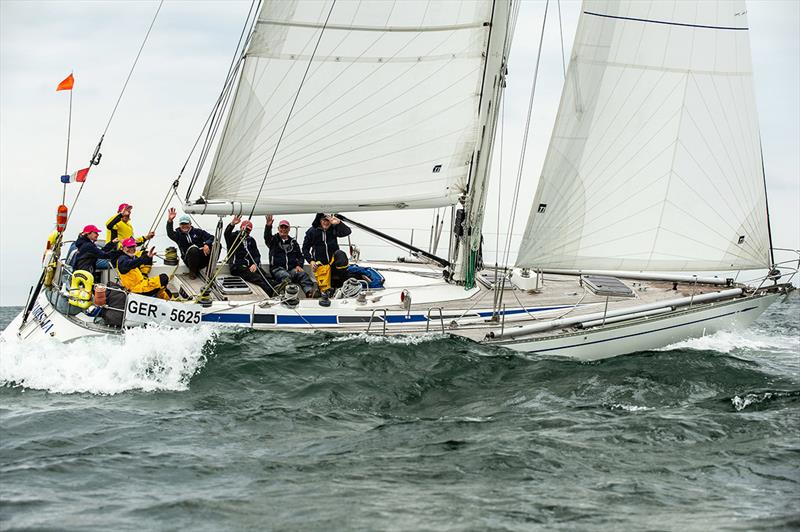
184,219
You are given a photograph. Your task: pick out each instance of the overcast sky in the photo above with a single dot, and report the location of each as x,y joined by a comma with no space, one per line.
181,71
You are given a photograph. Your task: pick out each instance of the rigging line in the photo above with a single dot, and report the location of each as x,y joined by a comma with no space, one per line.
95,159
130,73
237,242
525,138
233,68
211,135
499,198
289,116
766,204
561,36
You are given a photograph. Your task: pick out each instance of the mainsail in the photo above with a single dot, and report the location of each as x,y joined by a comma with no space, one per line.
654,161
387,116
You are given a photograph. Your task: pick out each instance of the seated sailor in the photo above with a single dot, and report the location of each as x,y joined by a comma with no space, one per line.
194,243
120,228
129,268
244,257
320,244
341,272
89,256
285,257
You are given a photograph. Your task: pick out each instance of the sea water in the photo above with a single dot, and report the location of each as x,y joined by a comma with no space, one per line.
208,429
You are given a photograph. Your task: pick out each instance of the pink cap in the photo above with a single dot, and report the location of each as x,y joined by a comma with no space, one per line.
129,243
284,222
247,224
91,229
122,207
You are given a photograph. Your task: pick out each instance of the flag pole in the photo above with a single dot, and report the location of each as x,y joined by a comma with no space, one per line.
66,162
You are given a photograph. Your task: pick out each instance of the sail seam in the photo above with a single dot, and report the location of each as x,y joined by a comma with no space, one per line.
666,22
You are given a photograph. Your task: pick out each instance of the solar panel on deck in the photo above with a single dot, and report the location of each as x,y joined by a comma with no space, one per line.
607,286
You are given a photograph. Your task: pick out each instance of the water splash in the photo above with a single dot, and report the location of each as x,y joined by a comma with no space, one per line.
758,400
403,339
148,359
748,340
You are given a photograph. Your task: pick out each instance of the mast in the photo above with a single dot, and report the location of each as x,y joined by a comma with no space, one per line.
468,235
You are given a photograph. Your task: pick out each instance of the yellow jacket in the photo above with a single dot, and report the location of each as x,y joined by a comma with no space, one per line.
117,228
134,280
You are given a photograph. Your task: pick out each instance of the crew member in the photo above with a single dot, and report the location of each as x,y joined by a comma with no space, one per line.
246,259
119,226
89,256
194,243
320,244
285,257
129,268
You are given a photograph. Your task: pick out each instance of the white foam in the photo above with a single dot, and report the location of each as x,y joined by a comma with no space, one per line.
402,339
629,408
148,359
740,403
748,339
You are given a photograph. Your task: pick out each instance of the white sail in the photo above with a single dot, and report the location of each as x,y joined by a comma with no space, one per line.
655,159
387,116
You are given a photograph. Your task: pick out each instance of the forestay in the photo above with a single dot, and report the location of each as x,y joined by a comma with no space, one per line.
655,159
387,116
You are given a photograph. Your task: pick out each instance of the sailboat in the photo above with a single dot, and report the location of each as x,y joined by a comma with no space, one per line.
653,178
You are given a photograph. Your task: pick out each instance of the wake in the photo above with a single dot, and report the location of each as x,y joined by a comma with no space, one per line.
147,359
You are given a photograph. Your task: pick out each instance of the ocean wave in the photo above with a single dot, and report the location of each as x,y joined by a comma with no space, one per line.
147,359
403,339
749,340
740,402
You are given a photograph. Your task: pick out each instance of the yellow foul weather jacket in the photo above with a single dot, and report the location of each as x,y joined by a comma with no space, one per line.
130,274
117,228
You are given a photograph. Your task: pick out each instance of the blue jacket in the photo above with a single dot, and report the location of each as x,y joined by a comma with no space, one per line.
282,253
89,253
195,237
320,245
126,263
246,254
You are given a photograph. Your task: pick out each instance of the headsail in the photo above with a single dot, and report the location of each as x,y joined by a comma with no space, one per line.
654,162
387,117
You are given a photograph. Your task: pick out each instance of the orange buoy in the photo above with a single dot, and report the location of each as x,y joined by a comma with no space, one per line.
61,218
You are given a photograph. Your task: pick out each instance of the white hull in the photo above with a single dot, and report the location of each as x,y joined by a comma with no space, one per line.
461,317
647,334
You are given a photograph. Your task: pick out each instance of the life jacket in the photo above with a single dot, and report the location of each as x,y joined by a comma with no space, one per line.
323,275
119,229
80,290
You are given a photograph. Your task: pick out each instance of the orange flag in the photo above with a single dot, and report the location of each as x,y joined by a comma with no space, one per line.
67,84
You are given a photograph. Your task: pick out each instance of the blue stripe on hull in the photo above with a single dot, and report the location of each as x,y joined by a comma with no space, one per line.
227,318
332,319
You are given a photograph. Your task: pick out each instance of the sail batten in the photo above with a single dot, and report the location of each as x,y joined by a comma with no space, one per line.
654,161
387,114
